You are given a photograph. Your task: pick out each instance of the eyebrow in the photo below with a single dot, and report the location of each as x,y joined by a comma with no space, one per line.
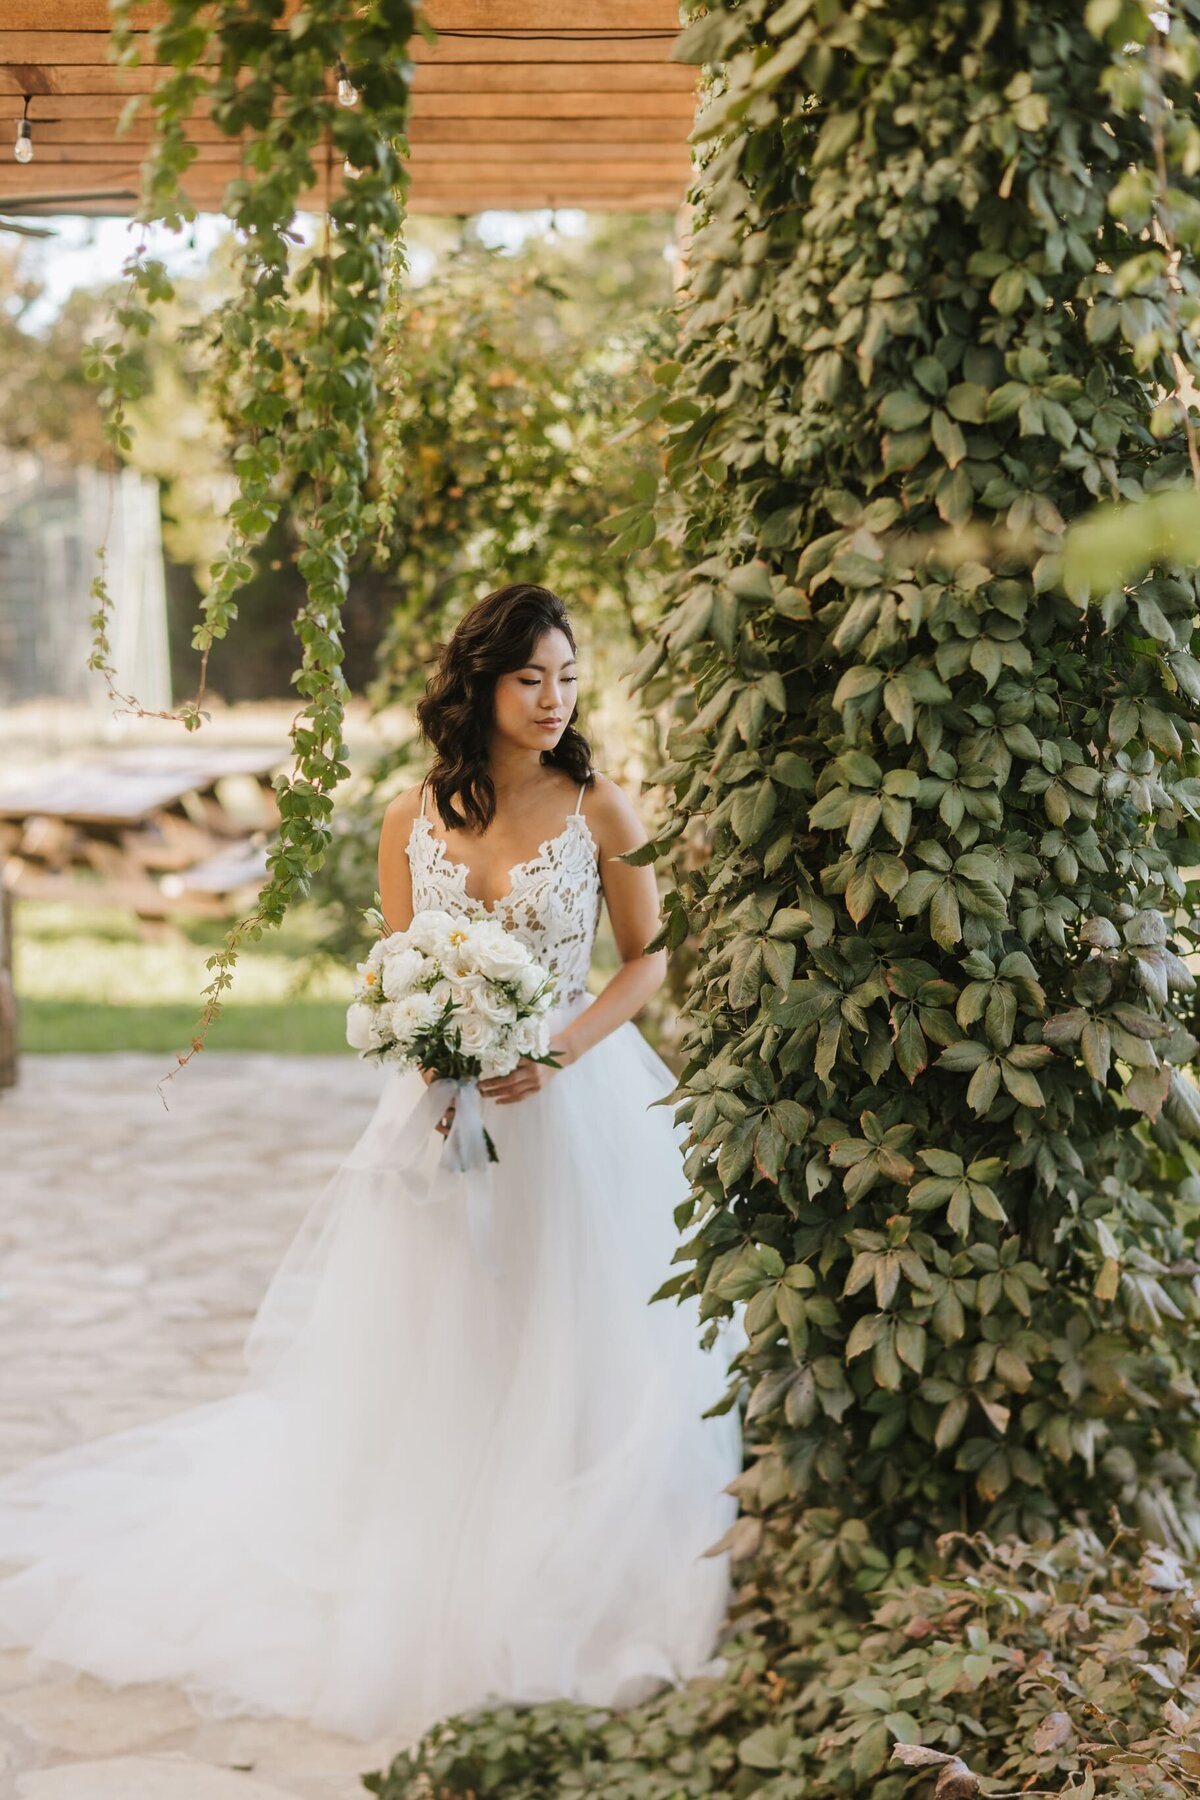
536,665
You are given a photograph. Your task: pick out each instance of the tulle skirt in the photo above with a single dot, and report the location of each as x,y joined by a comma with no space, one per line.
467,1463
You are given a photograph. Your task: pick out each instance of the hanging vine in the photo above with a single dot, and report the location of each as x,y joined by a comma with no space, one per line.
297,339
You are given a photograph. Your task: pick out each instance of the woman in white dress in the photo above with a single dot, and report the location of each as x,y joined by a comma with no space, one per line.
462,1469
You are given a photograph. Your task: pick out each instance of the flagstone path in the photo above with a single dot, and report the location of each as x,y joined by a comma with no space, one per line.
135,1244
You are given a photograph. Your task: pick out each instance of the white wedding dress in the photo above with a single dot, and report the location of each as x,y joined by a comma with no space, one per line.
448,1478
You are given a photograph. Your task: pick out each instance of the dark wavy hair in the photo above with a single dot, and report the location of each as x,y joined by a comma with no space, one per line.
494,637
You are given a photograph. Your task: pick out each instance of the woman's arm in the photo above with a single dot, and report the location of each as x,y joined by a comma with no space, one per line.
395,876
631,895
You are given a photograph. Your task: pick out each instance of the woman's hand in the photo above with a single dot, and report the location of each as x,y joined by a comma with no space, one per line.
527,1078
447,1119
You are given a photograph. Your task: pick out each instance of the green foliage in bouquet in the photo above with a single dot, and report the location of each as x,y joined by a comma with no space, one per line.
945,745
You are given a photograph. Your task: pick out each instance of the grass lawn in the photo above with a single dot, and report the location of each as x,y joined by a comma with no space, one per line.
305,1028
88,982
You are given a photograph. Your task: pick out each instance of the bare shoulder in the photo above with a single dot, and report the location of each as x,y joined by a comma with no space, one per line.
613,817
400,812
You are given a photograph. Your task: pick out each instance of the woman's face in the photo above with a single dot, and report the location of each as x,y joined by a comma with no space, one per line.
533,705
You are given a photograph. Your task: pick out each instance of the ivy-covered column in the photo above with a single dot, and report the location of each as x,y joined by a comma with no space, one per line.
936,1079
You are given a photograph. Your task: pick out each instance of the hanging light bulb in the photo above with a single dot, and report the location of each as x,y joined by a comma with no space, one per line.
347,93
23,148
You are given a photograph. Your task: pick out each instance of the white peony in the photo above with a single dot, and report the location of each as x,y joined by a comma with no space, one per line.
360,1027
431,931
400,970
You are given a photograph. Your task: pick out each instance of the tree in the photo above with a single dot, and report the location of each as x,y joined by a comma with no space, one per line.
942,1121
505,381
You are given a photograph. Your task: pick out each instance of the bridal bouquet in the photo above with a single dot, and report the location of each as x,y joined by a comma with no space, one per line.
460,996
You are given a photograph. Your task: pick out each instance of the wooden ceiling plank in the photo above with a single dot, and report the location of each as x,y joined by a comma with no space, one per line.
62,144
509,104
613,80
555,15
89,49
69,164
544,136
520,15
664,201
521,102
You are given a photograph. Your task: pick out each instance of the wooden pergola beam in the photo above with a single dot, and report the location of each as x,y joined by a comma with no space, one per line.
528,103
441,136
569,105
88,49
446,15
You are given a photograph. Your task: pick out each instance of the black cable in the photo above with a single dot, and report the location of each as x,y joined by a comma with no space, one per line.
583,36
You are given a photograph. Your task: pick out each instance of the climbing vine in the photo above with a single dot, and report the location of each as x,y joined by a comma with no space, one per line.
296,337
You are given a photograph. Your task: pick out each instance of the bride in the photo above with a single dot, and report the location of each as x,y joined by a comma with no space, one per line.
446,1480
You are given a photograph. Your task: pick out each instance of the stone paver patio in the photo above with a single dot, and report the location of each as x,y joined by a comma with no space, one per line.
135,1245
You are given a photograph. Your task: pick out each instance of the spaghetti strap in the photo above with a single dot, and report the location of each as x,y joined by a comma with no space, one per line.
579,802
422,799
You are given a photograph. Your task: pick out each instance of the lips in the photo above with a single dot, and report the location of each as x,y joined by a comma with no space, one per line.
547,722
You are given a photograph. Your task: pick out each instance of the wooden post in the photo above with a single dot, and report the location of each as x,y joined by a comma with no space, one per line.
8,998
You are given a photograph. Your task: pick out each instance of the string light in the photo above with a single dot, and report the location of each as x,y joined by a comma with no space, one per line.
347,93
23,148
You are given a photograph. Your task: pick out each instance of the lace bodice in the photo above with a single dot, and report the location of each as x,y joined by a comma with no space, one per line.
552,903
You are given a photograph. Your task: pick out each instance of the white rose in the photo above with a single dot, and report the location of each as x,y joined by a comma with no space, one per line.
360,1027
494,1006
501,955
400,970
441,992
531,1037
529,980
466,989
475,1036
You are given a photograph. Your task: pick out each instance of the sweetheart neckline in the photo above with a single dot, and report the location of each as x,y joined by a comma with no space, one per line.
462,869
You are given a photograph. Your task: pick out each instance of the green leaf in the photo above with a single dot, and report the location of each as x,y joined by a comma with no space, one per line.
902,408
948,437
753,810
1008,291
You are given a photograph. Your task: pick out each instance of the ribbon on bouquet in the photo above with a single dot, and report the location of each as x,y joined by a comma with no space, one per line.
402,1144
465,1152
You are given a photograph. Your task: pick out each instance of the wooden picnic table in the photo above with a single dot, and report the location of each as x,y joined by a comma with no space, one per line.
154,829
